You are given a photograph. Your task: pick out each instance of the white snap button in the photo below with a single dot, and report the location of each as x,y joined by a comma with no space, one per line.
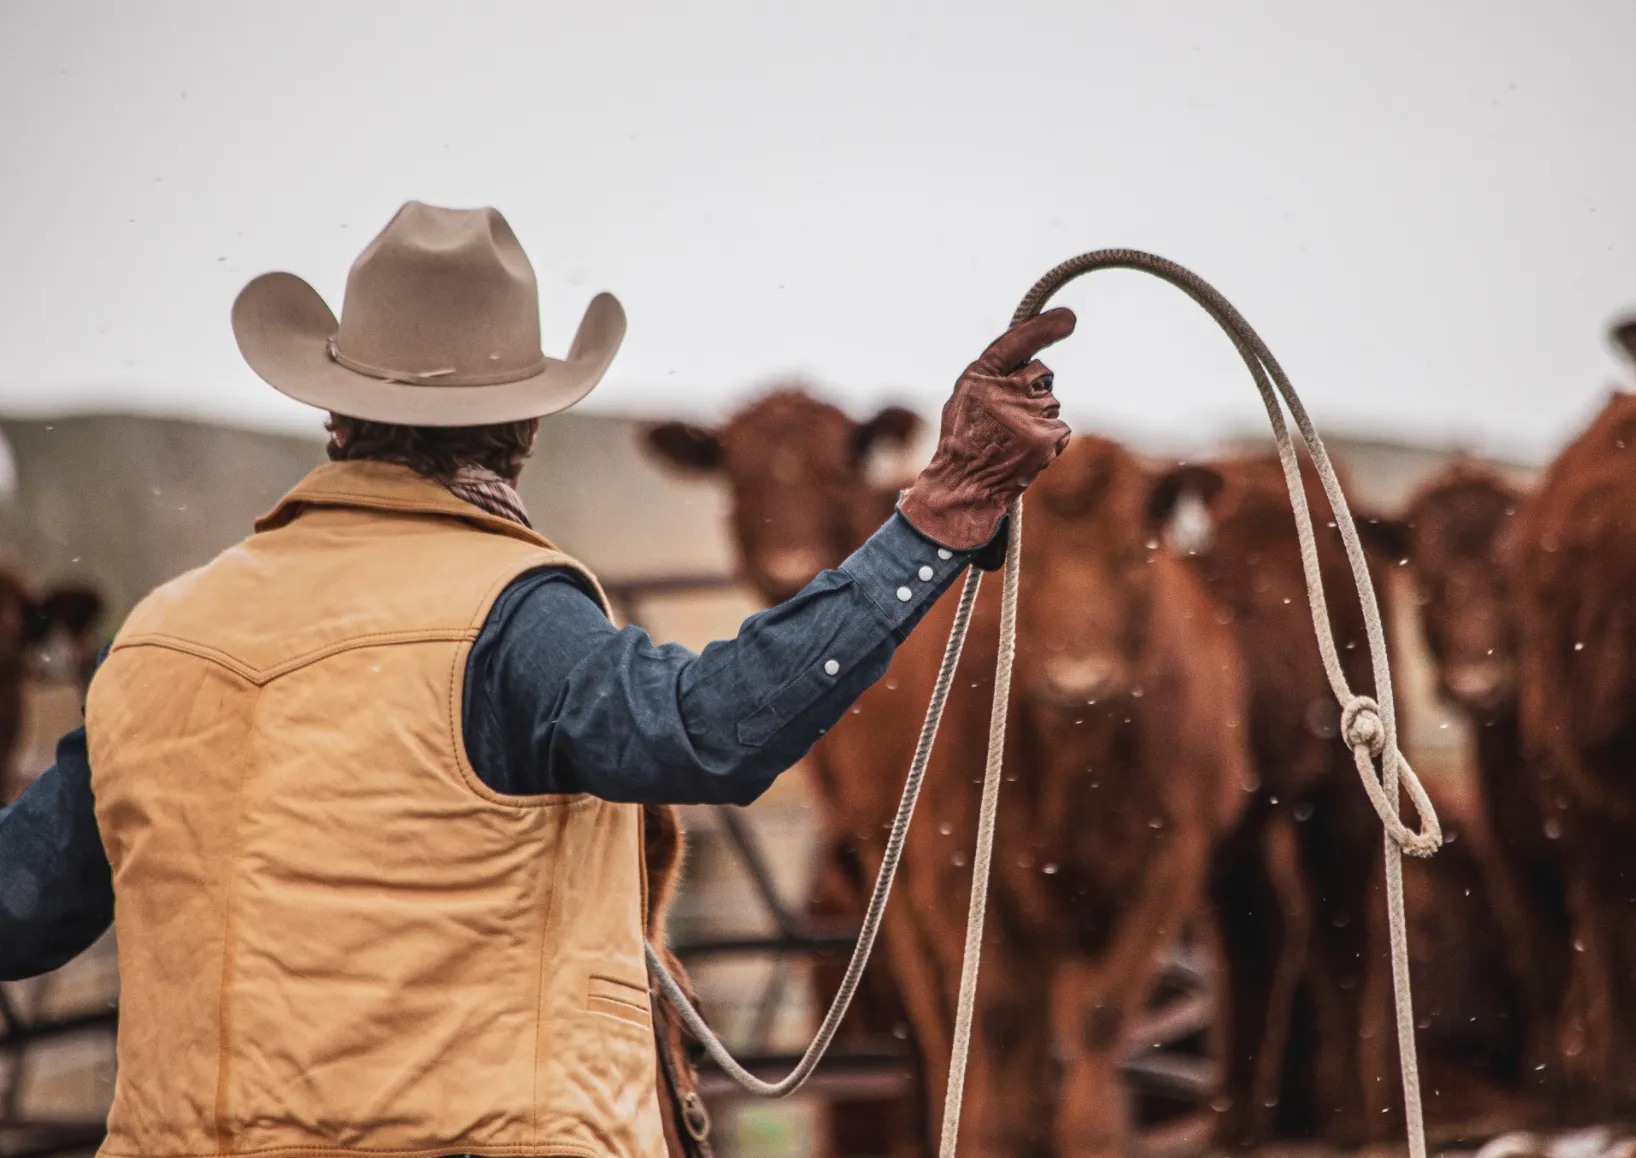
944,553
925,574
904,595
831,667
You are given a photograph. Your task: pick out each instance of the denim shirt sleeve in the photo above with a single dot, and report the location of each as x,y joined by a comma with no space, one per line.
559,700
56,889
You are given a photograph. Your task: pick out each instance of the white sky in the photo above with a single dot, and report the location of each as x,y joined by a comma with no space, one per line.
1429,209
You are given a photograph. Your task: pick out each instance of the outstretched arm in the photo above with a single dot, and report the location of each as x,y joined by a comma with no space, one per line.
560,700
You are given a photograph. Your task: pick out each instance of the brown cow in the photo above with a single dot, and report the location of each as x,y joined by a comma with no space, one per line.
1127,746
27,627
1010,1106
801,502
1292,885
1453,533
1574,576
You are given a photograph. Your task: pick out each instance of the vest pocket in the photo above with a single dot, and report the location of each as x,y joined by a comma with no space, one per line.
619,1000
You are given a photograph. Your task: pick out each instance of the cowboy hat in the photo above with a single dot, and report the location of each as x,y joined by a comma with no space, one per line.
440,326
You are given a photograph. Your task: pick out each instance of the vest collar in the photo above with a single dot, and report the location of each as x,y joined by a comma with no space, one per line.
385,486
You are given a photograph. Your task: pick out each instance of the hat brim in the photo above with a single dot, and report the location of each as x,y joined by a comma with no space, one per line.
283,329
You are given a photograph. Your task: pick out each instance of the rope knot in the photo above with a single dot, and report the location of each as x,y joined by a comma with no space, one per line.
1361,725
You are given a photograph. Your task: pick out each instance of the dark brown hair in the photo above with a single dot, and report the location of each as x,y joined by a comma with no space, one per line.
437,452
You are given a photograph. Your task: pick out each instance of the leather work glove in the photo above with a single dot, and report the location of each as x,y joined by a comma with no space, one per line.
1000,429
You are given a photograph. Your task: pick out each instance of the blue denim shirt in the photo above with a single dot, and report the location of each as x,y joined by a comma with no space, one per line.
558,700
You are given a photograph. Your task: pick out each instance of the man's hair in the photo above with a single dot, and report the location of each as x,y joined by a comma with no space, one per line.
438,452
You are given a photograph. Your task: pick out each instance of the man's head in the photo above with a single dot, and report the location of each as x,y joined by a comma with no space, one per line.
437,452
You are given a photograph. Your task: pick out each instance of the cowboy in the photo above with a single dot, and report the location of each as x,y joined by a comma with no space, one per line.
362,795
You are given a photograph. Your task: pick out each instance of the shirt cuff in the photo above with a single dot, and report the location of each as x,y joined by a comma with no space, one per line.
902,572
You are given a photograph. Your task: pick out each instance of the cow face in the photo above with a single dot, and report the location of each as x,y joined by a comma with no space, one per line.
34,633
1453,535
30,632
1088,552
796,468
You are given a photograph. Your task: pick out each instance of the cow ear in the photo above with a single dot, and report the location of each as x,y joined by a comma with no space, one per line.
75,609
1203,482
685,446
1623,334
894,424
1388,538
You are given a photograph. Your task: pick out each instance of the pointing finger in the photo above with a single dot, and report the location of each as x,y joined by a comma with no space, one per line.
1017,346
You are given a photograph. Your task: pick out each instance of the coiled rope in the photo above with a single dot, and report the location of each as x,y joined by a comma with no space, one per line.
1368,726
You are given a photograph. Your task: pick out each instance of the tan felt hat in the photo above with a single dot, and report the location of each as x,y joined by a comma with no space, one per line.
440,327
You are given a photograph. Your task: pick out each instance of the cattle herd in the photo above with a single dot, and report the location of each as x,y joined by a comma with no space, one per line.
1173,774
1173,771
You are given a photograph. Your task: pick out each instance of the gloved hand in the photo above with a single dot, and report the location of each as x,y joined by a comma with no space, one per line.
1000,429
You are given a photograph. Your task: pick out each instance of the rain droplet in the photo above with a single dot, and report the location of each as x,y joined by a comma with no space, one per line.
1049,868
1579,647
945,828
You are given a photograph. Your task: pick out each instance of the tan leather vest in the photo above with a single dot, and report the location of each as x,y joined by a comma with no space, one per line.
333,938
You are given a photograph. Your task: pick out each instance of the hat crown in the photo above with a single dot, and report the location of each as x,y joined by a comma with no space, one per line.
442,292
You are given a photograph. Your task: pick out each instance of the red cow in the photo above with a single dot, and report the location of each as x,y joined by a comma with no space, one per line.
1292,885
1574,574
27,626
801,502
1453,533
1127,760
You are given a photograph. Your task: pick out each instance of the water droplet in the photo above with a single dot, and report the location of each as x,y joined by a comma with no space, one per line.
1303,810
1049,868
1156,822
1579,647
958,860
1579,946
945,828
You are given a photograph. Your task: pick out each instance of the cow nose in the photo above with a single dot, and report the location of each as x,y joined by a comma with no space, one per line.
1081,678
1477,683
791,570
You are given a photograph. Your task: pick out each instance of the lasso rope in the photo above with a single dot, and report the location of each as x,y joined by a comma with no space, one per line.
1368,727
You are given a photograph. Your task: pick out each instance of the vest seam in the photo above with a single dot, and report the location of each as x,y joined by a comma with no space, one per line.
230,909
462,763
261,677
549,870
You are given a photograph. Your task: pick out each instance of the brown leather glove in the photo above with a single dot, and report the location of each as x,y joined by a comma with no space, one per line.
1000,429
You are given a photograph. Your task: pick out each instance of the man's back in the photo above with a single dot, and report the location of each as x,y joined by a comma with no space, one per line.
322,906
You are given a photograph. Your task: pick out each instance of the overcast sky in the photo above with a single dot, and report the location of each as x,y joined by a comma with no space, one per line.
1429,209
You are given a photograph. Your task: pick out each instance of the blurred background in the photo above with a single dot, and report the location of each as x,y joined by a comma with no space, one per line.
1428,211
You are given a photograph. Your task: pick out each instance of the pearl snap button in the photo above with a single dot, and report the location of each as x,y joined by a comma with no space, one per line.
944,553
925,574
831,667
904,595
